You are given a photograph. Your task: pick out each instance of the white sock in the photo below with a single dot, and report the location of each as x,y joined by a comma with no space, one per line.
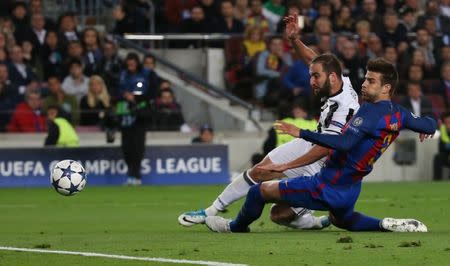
233,192
305,221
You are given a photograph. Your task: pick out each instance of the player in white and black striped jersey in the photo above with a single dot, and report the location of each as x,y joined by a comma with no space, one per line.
339,103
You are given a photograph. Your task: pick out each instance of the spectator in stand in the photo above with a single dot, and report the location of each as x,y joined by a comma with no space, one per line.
442,23
369,13
424,42
28,116
76,83
374,46
241,11
196,23
443,88
270,64
67,104
418,104
206,135
291,10
353,65
273,10
391,55
74,52
227,23
443,157
408,19
394,33
444,54
168,115
175,11
164,84
68,29
111,66
363,33
94,105
2,41
31,58
296,80
309,13
418,58
344,20
253,43
7,28
211,9
60,132
93,53
256,17
52,56
445,8
153,78
324,43
36,8
325,9
20,73
21,22
8,97
38,32
123,22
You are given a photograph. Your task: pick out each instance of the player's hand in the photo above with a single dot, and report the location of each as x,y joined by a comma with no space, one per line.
292,28
273,167
285,128
423,136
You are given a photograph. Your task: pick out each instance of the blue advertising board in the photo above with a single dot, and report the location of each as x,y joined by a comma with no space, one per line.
162,165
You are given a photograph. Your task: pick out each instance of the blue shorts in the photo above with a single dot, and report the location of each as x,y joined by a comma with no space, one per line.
313,193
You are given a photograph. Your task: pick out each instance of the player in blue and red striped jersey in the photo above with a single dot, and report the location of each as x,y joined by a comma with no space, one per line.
337,186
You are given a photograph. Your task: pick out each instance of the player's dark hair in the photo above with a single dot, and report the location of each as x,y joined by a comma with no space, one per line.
389,74
330,63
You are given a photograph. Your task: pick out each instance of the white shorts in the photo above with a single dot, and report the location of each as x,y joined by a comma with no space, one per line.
291,151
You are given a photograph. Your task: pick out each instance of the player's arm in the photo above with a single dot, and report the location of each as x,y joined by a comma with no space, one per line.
425,125
303,51
360,125
314,154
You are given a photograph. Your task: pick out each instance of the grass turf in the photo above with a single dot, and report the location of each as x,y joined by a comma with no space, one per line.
143,222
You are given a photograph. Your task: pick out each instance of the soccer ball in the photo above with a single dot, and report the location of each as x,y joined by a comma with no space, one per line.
68,177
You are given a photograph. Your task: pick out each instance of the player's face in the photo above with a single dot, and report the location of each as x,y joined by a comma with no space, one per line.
319,81
372,87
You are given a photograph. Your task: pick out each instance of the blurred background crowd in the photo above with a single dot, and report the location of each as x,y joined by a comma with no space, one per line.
59,61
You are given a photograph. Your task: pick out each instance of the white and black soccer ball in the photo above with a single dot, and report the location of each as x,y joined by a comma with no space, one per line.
68,177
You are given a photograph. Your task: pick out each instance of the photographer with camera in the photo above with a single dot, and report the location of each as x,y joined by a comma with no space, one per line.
133,114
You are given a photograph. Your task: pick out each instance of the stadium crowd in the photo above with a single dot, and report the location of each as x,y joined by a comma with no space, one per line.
46,62
52,63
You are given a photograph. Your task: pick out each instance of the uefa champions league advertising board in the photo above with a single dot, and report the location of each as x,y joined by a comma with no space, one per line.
162,165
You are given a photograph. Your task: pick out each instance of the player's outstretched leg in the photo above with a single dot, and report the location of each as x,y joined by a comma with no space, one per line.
257,197
403,225
355,221
233,192
297,218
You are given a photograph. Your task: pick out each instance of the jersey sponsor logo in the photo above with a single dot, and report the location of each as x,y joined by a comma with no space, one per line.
358,121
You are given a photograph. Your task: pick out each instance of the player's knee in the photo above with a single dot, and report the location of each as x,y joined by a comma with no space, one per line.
280,215
267,190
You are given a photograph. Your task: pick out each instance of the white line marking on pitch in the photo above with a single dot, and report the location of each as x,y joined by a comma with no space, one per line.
121,257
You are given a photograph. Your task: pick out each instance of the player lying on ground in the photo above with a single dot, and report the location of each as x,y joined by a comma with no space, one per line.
340,102
337,186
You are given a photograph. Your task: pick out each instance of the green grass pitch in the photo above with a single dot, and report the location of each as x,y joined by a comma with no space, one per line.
142,222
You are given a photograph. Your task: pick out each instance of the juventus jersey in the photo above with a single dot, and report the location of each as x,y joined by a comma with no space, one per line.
337,109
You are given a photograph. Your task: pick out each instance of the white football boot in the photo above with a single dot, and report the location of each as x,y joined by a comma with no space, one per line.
218,224
403,225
